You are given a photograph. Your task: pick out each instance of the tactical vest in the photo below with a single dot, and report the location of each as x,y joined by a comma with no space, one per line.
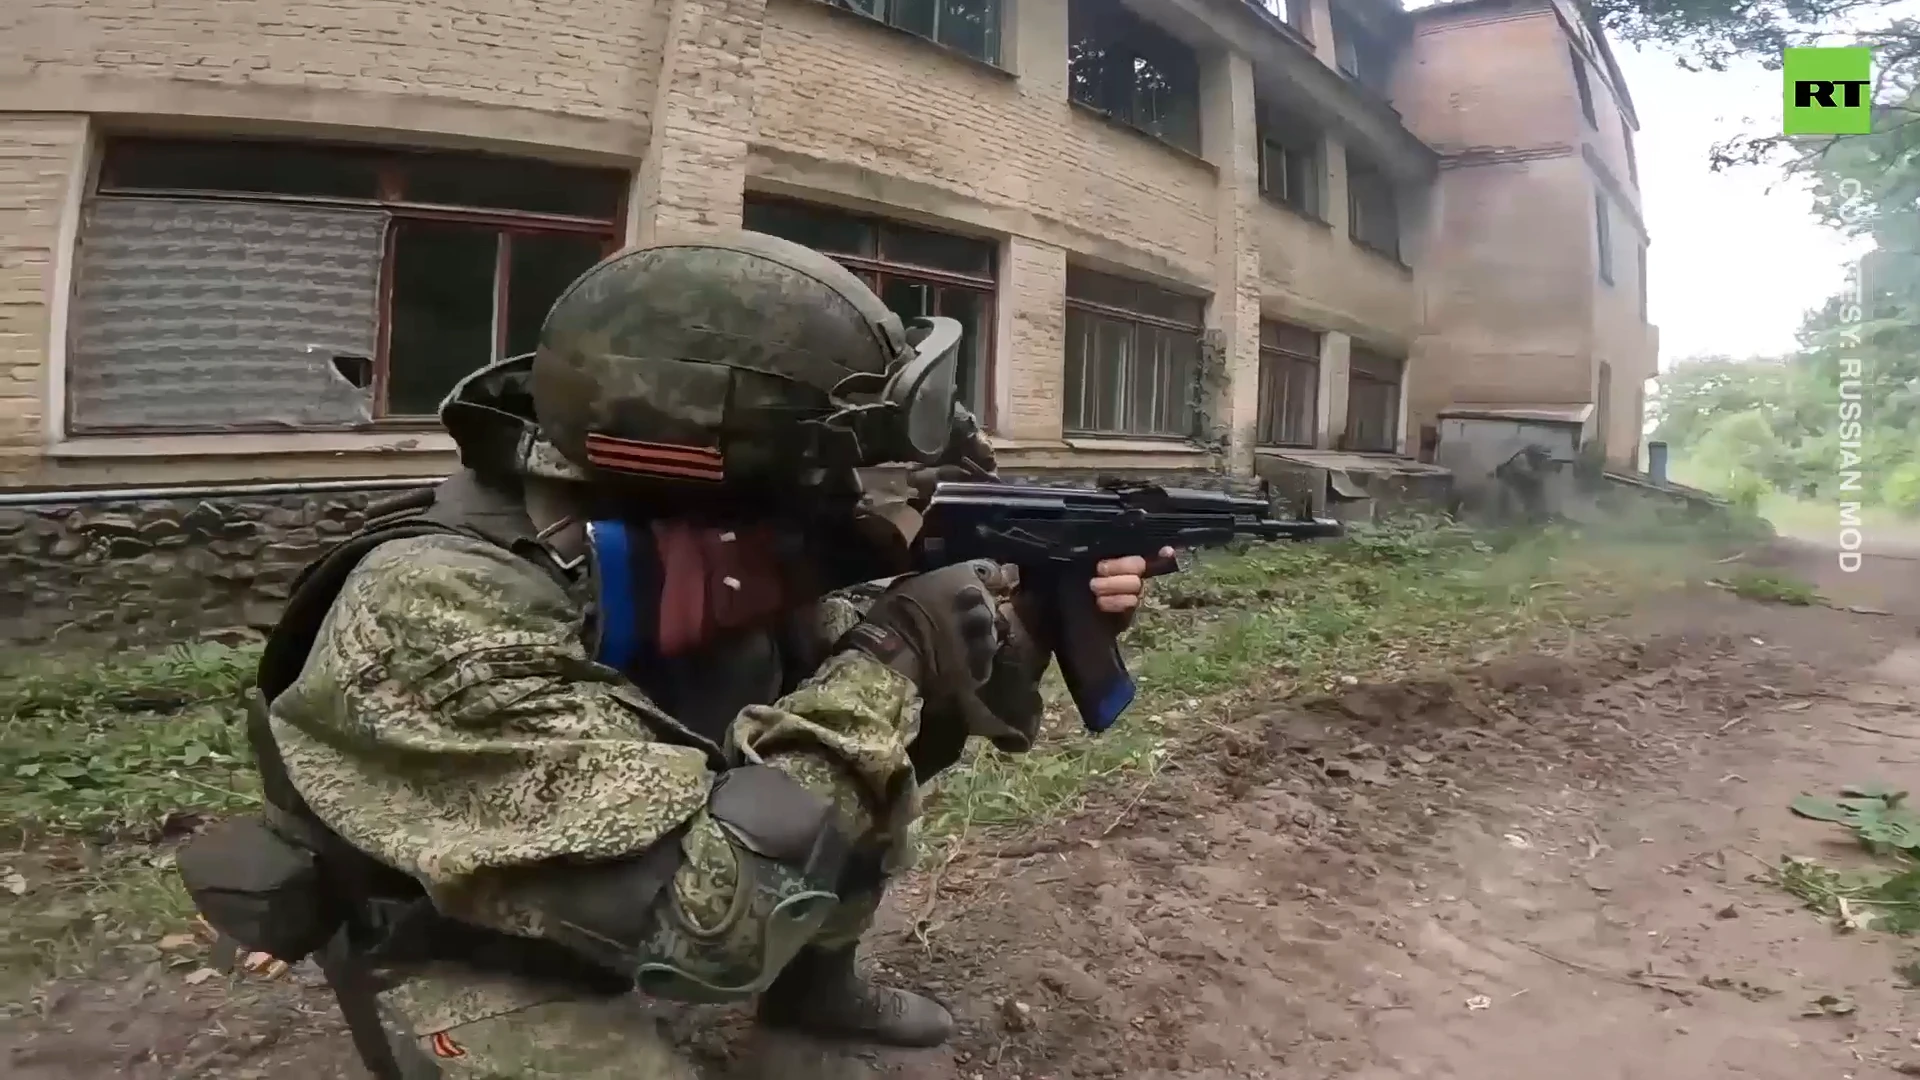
290,902
284,883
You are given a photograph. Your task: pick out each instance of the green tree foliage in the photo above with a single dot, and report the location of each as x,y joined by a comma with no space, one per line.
1709,34
1782,423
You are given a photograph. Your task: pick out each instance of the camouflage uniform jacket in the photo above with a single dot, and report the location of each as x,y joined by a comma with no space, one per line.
449,722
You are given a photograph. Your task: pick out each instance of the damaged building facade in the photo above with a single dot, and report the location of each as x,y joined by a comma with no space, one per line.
247,248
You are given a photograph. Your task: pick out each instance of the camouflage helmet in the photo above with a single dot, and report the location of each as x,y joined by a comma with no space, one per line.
736,357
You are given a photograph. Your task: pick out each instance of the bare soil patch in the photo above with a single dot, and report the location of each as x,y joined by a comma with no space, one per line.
1537,861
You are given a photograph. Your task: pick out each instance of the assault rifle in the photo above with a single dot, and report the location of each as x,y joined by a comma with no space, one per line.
1057,535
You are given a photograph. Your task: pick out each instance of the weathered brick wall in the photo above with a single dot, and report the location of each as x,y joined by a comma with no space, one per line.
1513,306
1311,273
1489,79
695,167
1033,276
591,58
836,88
38,156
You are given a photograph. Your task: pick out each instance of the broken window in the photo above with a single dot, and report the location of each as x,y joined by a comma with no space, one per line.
1289,385
917,272
1373,401
1133,72
1133,357
257,286
1373,210
1290,162
968,26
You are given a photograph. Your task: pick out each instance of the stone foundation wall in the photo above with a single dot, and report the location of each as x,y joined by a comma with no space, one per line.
151,573
144,574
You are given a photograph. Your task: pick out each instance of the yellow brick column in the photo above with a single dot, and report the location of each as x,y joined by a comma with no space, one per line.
42,168
1331,423
1030,332
1320,30
1230,140
1031,341
1335,347
695,169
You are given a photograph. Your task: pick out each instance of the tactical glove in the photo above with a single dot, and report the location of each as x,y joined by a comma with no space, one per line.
1006,710
942,629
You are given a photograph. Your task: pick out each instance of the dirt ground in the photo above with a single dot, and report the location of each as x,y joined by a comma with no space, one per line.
1545,863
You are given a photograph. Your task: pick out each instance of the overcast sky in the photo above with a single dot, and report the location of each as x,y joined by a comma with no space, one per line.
1736,257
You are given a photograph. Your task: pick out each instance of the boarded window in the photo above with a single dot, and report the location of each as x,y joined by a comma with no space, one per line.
1133,357
239,285
192,314
1289,385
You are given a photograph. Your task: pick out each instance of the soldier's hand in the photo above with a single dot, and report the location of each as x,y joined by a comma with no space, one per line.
1006,710
943,629
1119,584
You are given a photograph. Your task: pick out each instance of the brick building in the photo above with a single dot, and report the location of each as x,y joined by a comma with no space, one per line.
250,241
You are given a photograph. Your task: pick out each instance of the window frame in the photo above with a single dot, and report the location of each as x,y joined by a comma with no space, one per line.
1583,85
1642,275
1297,14
1381,184
1360,55
1358,372
883,12
1287,138
1136,320
1140,41
391,172
1633,159
875,268
1275,358
1603,235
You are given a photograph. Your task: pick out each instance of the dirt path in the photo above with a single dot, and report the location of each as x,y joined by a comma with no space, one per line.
1542,864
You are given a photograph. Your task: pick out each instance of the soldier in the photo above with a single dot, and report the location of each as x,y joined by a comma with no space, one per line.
555,734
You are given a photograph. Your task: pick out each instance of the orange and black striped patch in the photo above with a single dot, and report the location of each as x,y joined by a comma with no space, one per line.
656,459
444,1046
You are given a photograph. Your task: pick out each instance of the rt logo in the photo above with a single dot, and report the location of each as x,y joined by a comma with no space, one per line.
1828,91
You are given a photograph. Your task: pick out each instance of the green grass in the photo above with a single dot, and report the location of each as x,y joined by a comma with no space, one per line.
1265,622
1770,587
100,761
103,763
109,748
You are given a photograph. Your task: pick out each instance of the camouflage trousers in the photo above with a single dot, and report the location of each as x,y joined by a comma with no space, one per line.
453,1023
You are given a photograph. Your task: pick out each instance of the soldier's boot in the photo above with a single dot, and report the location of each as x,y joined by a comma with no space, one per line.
821,994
